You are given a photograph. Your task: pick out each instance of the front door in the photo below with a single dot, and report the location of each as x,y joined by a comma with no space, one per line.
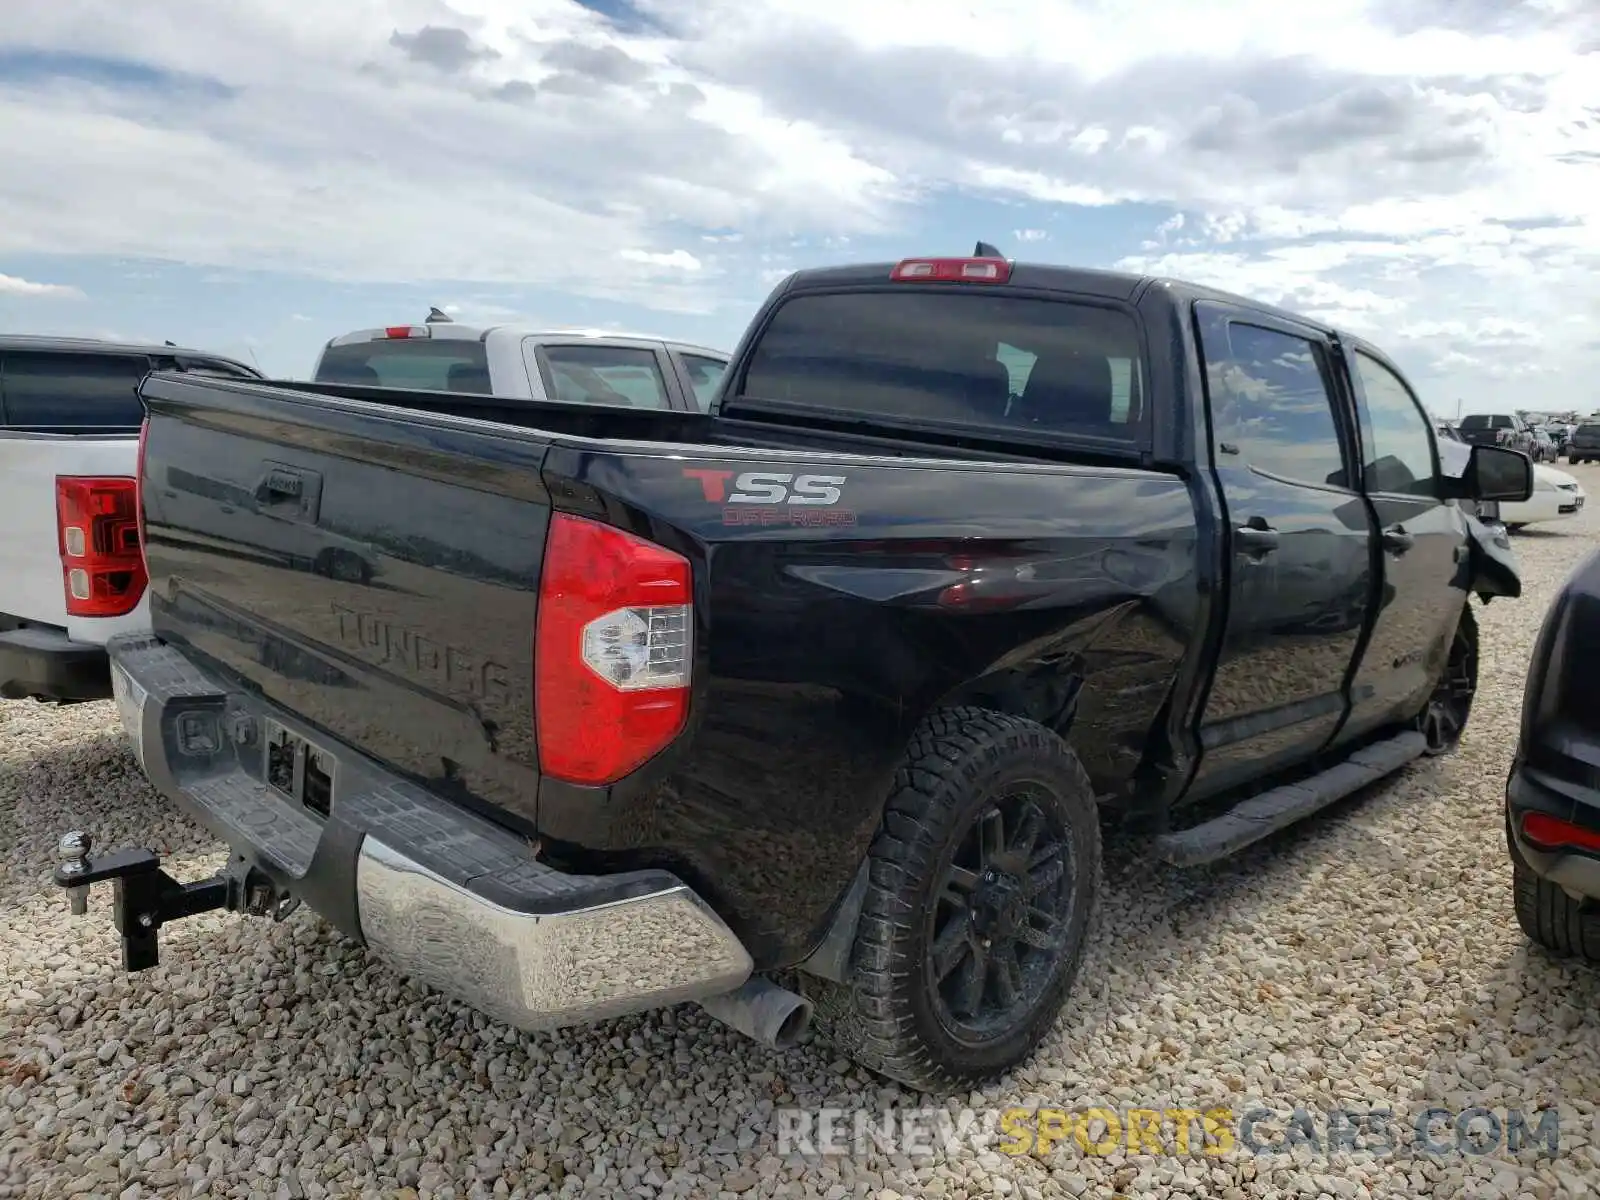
1300,537
1422,545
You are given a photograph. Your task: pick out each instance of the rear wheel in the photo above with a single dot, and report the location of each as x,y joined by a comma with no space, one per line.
1566,927
981,884
1444,719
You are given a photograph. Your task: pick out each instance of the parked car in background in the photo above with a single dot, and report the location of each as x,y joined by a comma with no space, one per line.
71,574
1542,446
1584,445
569,366
1497,429
1556,495
1552,808
1455,453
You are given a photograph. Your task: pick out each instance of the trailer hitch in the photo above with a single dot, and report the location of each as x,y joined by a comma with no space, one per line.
144,896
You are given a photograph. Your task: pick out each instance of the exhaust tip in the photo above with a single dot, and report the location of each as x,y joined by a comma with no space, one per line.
792,1029
762,1010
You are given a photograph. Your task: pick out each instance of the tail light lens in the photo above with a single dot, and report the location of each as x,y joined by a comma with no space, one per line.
613,652
102,563
1552,833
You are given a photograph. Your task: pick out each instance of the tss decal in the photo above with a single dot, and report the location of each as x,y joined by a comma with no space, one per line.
767,487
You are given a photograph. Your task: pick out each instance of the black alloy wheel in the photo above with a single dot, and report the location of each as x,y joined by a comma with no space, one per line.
998,925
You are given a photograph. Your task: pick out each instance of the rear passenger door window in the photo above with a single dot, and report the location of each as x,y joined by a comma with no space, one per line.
1396,445
704,376
64,392
1272,403
620,376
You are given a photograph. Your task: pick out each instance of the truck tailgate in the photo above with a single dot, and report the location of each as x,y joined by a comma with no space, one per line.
376,577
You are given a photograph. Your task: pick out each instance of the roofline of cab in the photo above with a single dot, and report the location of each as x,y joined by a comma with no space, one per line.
1049,277
481,333
46,343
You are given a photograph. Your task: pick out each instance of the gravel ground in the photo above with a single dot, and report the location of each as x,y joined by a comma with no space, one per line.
1367,959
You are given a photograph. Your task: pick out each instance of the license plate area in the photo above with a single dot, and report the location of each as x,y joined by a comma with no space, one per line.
299,770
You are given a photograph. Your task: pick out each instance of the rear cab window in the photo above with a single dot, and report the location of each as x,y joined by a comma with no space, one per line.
431,364
957,358
619,376
67,391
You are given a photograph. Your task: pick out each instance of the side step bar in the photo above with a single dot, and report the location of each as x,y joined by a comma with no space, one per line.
1263,815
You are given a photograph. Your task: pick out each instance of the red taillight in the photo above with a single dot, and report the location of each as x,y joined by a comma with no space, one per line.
1552,833
102,563
613,651
406,331
951,270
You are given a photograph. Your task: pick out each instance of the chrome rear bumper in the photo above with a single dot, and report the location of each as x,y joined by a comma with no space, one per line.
453,900
541,971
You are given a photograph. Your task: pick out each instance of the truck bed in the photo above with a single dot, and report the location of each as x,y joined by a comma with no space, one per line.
369,562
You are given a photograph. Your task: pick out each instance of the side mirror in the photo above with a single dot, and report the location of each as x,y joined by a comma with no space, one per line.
1498,474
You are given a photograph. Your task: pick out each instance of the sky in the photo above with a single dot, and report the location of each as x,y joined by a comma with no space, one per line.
256,177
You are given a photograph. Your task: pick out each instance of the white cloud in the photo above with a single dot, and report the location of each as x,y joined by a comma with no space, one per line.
1399,165
12,285
677,260
1030,235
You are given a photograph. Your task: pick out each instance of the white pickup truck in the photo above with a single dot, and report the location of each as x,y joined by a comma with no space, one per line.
516,362
71,573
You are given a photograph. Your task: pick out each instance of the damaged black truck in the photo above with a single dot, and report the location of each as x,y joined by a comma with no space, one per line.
813,704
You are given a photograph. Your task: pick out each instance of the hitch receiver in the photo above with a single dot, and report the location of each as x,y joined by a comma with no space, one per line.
144,896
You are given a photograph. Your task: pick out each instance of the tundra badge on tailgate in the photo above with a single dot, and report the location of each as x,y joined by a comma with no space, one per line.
773,497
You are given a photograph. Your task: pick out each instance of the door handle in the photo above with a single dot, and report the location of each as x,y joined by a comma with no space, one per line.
1255,539
280,484
1396,540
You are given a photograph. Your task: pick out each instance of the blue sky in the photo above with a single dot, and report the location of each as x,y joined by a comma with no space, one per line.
254,178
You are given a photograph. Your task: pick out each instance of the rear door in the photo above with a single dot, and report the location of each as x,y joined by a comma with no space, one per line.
1422,539
1300,572
616,372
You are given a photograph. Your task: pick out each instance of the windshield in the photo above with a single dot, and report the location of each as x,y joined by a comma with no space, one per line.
955,357
426,364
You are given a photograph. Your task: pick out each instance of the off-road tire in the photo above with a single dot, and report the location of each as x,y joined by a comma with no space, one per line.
1567,928
959,763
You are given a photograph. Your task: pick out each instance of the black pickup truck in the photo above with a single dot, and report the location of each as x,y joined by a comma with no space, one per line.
826,687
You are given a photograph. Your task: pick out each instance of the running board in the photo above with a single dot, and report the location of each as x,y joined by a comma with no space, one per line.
1263,815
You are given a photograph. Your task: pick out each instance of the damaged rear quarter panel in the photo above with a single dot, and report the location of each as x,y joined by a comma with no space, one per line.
838,601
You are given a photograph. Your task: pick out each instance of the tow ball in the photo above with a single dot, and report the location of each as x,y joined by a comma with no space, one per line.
144,896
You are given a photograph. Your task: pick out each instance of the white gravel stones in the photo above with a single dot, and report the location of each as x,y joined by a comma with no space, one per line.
1369,957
